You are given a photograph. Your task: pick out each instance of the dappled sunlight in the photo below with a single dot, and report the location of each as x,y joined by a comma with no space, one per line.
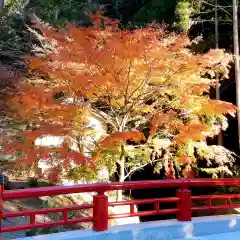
232,223
151,234
188,230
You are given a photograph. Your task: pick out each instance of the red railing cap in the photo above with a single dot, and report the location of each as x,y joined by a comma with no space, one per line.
103,187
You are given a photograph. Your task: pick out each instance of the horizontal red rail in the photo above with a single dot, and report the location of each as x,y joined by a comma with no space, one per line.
100,206
227,197
45,224
145,201
46,211
219,207
104,187
142,214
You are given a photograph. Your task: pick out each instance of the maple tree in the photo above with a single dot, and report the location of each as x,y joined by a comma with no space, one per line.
145,84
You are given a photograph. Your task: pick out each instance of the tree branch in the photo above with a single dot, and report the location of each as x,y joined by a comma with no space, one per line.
105,117
138,168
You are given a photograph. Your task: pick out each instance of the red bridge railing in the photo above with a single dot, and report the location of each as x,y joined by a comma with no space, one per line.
100,204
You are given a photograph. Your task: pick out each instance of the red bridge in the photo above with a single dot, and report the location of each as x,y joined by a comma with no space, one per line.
100,204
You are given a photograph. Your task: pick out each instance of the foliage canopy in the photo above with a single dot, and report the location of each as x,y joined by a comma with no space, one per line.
145,84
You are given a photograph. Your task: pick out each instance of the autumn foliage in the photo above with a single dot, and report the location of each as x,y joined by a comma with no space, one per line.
146,84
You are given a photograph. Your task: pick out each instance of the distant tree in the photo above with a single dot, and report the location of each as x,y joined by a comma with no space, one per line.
59,13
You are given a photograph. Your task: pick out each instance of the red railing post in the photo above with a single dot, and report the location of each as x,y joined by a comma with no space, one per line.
1,201
100,212
184,205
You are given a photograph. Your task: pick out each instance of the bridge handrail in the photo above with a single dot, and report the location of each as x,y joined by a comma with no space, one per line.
100,204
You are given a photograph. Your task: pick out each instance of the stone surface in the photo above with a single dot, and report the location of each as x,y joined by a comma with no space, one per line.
121,210
14,222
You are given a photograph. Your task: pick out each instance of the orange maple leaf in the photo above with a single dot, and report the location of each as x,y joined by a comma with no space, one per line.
119,137
185,160
168,120
188,172
193,132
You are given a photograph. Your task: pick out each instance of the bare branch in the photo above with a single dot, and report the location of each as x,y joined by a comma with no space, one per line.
138,168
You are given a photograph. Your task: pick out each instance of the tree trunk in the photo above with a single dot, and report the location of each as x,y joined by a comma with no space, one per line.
236,58
34,167
218,97
121,173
